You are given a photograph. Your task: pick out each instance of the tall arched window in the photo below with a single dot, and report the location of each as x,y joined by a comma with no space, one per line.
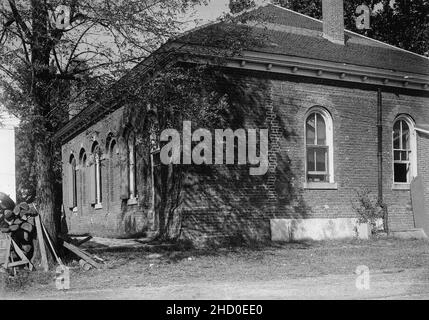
96,176
404,150
83,175
114,184
72,185
131,141
319,146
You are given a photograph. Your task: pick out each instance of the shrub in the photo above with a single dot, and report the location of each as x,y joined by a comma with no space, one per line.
369,209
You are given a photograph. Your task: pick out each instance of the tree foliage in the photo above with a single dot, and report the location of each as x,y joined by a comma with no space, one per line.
405,25
44,66
402,23
182,93
236,6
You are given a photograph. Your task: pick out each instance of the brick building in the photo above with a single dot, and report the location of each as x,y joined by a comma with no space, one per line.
331,100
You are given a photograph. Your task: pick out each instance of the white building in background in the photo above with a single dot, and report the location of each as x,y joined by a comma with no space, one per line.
8,124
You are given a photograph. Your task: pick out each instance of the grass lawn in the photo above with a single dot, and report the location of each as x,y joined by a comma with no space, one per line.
141,267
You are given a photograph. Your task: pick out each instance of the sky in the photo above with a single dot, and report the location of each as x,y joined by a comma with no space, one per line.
214,10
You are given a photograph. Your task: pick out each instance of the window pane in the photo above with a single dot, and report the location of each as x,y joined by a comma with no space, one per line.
401,172
316,178
310,160
405,156
321,159
396,133
405,136
321,130
397,155
310,129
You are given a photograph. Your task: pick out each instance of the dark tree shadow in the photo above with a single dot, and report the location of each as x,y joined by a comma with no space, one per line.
224,203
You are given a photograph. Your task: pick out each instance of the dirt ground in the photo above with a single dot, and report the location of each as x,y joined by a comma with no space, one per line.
398,269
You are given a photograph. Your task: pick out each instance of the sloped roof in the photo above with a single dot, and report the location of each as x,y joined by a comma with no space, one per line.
286,32
275,30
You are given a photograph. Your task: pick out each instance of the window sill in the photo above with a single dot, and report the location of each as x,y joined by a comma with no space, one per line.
98,206
320,186
132,201
401,186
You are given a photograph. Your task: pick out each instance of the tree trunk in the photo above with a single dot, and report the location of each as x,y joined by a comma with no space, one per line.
42,86
46,199
44,189
170,207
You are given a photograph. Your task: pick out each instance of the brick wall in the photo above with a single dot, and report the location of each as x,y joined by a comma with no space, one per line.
241,206
225,201
401,216
116,218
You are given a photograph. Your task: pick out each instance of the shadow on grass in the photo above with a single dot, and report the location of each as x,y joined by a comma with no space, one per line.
182,250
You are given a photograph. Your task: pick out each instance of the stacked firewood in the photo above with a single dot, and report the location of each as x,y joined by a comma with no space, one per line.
19,221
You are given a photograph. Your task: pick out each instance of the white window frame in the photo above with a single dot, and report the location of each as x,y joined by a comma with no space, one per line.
83,161
132,185
73,170
112,150
330,145
413,149
97,168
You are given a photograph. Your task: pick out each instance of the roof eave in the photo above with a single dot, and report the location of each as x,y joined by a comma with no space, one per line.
321,69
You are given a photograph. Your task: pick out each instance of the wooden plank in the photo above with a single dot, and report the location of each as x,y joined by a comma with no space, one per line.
13,262
44,261
73,241
51,245
81,242
81,254
421,215
7,251
22,255
16,264
4,239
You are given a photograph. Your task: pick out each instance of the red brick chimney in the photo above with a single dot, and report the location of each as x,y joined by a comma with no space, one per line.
333,20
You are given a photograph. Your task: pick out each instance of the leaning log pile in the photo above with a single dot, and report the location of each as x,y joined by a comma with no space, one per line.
22,223
18,221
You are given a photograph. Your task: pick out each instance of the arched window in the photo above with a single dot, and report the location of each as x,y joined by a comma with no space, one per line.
404,150
96,176
83,175
319,146
114,184
131,141
72,187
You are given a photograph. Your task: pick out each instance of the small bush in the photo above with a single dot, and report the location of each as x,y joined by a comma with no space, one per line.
369,209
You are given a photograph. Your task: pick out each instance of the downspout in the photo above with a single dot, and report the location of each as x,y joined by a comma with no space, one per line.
155,225
380,158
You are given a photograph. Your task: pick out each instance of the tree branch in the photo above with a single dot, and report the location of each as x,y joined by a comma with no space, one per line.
77,44
19,20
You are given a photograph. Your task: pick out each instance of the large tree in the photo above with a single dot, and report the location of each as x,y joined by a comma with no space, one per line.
46,62
402,23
